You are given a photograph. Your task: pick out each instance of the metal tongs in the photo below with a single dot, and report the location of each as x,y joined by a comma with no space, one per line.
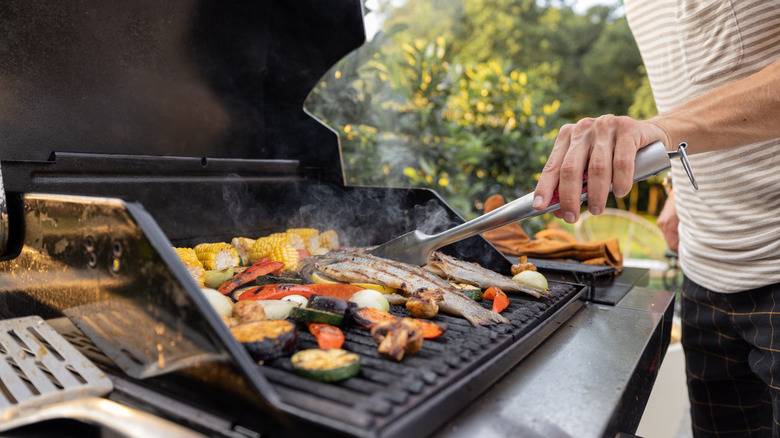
416,247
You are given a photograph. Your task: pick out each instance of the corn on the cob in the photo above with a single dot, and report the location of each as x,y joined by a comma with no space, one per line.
296,241
193,265
286,254
264,245
311,237
329,239
219,256
243,246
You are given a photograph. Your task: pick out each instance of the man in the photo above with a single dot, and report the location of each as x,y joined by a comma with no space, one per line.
714,66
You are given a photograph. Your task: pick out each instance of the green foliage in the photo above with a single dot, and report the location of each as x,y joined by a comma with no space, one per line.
465,97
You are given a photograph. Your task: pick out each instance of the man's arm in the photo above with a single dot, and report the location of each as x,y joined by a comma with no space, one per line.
736,114
743,112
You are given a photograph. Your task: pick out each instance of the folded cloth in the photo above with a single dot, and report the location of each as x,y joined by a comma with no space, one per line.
601,252
512,240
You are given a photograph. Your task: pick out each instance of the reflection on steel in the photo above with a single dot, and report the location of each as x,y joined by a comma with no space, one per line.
143,343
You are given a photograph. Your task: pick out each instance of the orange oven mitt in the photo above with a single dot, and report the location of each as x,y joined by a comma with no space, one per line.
512,240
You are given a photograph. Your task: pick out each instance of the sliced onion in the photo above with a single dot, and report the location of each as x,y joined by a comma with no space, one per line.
278,309
532,278
370,298
222,304
300,299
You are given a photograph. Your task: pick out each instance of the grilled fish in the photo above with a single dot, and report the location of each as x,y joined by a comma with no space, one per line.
355,266
467,272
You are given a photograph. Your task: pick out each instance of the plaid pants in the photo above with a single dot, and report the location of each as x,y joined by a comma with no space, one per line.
732,357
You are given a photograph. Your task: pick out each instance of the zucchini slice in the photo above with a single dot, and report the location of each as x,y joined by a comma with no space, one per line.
474,294
273,279
326,365
314,315
266,340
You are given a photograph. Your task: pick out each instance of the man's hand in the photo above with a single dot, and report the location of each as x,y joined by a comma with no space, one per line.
668,222
604,147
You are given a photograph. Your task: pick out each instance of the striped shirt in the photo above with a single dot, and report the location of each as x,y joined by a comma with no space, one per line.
729,228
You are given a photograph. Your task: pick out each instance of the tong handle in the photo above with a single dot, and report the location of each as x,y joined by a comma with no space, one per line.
650,161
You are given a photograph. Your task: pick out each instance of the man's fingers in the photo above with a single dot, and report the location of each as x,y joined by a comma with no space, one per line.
550,177
570,185
600,164
623,161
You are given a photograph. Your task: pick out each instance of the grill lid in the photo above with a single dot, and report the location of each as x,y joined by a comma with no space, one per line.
182,78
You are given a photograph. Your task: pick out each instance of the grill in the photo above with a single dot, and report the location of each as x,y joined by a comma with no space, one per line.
137,127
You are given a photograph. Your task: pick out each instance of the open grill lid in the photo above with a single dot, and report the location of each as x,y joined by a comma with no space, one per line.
177,78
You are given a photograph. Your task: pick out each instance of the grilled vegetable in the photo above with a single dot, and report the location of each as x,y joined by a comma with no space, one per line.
243,246
329,304
191,262
274,279
398,337
286,254
217,256
215,278
221,304
261,267
310,236
298,299
500,300
326,365
328,336
266,246
235,294
320,316
248,311
329,239
367,317
266,340
469,290
532,278
279,291
370,298
474,294
424,304
522,265
275,309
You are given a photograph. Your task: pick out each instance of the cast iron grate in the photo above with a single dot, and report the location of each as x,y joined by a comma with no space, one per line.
385,391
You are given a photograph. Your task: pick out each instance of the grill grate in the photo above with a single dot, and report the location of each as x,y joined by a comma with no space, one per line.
385,390
412,397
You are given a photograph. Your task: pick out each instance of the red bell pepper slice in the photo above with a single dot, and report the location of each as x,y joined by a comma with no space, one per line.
500,300
261,267
279,291
328,336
